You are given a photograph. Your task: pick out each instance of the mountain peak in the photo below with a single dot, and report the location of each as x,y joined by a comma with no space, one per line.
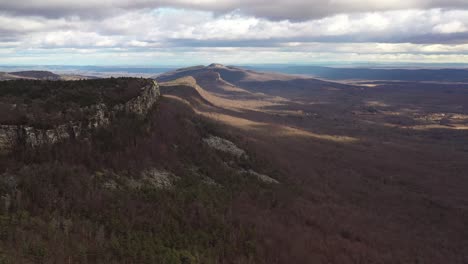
216,65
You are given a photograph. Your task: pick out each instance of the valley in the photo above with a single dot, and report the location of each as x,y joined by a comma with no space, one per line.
373,165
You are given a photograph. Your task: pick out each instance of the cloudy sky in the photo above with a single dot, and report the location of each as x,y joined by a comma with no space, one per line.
185,32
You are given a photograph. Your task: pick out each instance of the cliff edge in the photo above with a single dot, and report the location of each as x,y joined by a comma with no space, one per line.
68,110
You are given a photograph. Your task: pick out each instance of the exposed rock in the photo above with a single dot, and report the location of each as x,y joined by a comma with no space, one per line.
216,65
30,136
8,135
153,179
8,190
209,181
204,179
99,115
143,103
224,145
110,185
261,177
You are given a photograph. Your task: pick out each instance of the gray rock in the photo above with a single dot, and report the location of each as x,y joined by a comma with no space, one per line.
153,179
224,145
262,177
99,116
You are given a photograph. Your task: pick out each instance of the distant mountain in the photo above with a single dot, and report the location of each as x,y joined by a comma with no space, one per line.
439,75
41,75
221,79
100,71
229,73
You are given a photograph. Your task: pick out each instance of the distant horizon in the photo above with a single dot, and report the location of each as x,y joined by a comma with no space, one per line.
363,71
329,64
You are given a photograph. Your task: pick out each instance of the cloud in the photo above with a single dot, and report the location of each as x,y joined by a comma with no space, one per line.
195,56
451,27
293,29
270,9
174,27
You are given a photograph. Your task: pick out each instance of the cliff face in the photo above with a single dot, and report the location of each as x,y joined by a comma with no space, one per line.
141,104
99,115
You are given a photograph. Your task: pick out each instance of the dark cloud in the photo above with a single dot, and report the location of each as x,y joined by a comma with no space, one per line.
271,9
311,9
454,38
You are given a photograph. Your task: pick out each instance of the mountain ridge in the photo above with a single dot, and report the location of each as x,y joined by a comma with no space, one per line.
234,165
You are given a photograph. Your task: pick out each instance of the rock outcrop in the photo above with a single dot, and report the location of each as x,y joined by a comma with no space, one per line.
99,115
224,145
150,178
261,177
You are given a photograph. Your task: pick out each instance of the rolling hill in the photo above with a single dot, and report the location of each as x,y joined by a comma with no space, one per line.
363,73
41,75
375,166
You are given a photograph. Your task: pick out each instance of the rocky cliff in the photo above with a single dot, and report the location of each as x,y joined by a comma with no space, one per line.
97,115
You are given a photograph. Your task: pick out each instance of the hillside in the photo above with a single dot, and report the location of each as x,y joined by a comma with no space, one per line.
230,165
373,166
363,73
238,81
36,112
41,75
158,187
37,75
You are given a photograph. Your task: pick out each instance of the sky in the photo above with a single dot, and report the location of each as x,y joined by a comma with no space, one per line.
192,32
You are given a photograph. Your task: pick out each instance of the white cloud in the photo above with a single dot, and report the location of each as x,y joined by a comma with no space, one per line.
167,32
451,27
225,55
